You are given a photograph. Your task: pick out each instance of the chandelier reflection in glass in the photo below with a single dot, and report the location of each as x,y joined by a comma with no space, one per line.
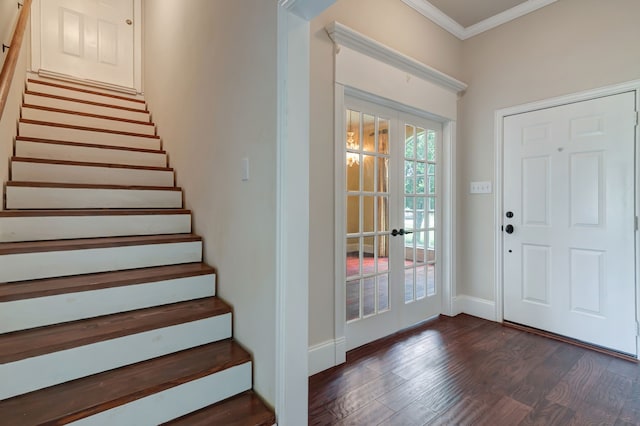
352,157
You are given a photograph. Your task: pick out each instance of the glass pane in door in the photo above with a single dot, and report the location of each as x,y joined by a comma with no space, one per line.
420,200
367,215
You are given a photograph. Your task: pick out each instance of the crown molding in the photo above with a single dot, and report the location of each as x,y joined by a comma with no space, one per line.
437,16
345,36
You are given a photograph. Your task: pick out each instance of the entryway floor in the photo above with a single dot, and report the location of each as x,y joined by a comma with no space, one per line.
468,371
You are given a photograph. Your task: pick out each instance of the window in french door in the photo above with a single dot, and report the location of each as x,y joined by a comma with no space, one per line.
367,215
420,202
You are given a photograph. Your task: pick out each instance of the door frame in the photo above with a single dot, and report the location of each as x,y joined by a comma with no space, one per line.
36,52
630,86
447,238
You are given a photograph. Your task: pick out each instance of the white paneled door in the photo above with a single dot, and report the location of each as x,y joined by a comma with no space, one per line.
392,221
569,221
88,39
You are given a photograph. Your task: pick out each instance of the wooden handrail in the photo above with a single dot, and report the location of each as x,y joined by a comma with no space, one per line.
9,67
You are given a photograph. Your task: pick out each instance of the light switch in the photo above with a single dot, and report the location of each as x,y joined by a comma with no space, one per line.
245,169
480,187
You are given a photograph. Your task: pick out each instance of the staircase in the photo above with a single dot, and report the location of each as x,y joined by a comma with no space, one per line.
108,316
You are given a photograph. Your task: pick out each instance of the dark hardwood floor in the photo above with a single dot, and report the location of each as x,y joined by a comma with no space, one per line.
468,371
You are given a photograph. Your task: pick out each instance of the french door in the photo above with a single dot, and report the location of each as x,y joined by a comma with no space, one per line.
391,220
569,242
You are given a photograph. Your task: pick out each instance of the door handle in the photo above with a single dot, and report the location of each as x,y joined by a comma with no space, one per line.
397,232
509,229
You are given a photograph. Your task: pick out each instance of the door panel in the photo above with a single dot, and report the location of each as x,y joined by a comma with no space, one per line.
569,265
390,170
88,39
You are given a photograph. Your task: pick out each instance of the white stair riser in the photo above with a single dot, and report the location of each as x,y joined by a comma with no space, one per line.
67,93
64,173
31,266
33,99
38,77
47,370
81,120
38,131
80,198
80,153
15,229
30,313
177,401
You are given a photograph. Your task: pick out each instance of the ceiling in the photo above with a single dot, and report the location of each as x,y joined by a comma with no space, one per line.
467,18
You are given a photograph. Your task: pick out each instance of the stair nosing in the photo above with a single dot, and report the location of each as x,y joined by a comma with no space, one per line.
87,114
81,101
69,414
89,164
22,184
25,290
93,212
89,145
94,243
88,91
86,129
89,331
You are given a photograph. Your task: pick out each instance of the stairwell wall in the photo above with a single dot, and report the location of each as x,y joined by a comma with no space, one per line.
210,81
11,114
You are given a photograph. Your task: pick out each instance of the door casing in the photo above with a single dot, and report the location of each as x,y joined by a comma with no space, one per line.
499,173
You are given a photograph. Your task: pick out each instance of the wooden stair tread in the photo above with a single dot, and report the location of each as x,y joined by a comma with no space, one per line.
102,280
87,114
78,89
73,400
15,183
82,101
245,409
89,129
88,164
39,341
92,212
89,145
92,243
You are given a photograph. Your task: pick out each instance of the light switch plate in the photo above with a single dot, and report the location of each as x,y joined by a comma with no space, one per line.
480,187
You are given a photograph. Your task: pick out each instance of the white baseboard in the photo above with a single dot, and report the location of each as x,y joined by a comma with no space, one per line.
326,355
481,308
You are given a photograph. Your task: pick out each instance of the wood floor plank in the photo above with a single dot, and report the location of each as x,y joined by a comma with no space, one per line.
371,414
479,373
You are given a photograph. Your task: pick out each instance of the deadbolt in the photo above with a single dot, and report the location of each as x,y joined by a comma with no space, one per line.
509,215
129,21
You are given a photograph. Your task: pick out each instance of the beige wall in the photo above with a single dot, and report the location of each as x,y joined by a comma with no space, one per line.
569,46
210,80
11,114
390,22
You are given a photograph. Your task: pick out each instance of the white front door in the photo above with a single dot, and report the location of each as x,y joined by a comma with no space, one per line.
88,39
392,200
569,221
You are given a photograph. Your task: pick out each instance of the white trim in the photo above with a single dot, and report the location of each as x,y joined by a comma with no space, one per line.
322,356
292,219
448,232
36,53
498,172
306,9
434,14
345,36
481,308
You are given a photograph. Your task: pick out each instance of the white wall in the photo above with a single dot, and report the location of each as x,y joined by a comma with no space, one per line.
569,46
11,114
396,25
210,80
